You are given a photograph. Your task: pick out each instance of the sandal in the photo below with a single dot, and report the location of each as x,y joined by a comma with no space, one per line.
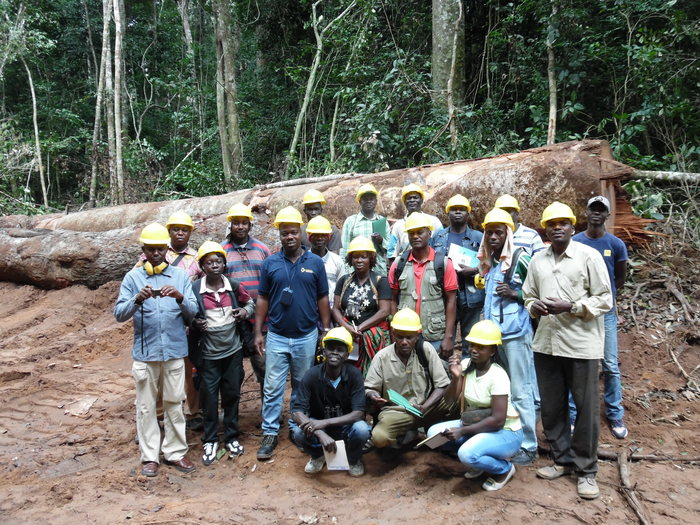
491,484
234,449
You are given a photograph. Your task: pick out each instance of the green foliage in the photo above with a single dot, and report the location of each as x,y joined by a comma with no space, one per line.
646,200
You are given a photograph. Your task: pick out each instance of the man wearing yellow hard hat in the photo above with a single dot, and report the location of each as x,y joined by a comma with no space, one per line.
412,197
461,243
567,287
330,407
294,293
505,269
367,223
319,230
313,202
523,237
411,368
244,259
159,298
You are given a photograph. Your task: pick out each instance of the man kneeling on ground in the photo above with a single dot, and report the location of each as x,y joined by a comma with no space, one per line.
330,406
412,368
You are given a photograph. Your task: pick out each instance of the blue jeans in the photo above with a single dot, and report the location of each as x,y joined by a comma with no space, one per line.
611,372
355,436
487,451
516,357
283,354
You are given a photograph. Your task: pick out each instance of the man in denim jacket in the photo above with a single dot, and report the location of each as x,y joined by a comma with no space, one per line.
470,300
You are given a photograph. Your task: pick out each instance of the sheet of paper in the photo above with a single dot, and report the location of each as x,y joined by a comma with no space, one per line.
433,442
462,257
401,401
339,459
355,353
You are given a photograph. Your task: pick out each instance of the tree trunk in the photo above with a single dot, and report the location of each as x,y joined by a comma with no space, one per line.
569,171
451,82
226,159
37,144
551,76
118,115
445,33
109,107
97,126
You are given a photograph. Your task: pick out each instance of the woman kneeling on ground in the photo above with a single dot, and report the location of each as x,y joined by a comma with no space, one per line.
489,431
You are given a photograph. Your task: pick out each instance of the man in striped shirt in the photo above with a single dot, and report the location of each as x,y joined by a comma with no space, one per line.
244,259
523,237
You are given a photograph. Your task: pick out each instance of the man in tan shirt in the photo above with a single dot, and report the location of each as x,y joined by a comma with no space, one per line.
420,378
568,289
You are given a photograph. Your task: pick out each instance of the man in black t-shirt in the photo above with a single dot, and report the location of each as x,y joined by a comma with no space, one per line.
330,406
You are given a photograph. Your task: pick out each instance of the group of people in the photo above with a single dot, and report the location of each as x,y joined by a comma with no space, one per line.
375,307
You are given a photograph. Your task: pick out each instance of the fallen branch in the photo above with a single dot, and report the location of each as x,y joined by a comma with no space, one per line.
627,490
681,299
548,507
670,176
613,456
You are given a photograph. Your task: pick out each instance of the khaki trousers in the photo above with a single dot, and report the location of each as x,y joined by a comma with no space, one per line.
148,375
393,424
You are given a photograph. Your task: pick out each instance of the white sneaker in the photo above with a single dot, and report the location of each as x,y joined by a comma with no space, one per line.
210,450
357,469
315,465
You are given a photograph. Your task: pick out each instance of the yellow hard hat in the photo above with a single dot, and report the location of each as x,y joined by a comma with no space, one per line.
179,218
366,188
314,196
208,247
557,210
339,334
418,220
154,235
239,210
406,320
485,333
411,188
479,282
507,201
458,200
498,216
319,225
361,244
290,215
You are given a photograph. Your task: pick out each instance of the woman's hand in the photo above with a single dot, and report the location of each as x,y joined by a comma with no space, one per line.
453,433
455,365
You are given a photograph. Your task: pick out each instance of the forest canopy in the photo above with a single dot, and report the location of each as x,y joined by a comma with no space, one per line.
104,102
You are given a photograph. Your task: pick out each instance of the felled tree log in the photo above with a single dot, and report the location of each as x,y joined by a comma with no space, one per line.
96,246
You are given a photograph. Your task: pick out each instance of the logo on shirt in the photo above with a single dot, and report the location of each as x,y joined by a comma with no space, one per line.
307,270
607,253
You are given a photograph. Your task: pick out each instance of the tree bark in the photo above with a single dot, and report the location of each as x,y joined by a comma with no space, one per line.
109,107
445,33
118,115
37,144
226,160
569,171
551,76
451,82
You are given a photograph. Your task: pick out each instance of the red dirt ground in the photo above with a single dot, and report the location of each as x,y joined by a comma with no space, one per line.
61,346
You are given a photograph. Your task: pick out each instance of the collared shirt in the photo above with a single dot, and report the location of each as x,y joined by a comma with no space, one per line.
187,262
360,226
450,277
398,241
319,399
335,269
527,238
244,262
159,322
306,278
387,371
611,248
580,277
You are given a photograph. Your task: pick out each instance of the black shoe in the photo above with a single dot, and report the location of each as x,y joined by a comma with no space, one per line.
269,443
195,424
524,457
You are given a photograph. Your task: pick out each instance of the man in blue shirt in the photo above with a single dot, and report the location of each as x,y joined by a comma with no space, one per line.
159,297
294,293
470,300
614,254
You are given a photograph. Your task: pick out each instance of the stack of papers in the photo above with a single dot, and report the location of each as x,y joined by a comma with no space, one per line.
401,401
462,257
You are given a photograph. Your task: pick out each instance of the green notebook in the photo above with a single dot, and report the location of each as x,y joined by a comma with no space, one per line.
401,401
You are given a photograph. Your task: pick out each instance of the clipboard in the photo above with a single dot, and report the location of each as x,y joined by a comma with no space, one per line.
401,401
433,442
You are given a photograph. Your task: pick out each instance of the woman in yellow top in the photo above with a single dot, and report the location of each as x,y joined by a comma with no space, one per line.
493,432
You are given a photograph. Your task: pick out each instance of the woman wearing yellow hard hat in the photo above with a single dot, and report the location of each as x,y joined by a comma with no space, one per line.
313,202
367,223
505,269
489,431
362,302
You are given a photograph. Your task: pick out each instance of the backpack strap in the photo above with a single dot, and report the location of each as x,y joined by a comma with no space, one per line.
423,360
509,274
178,259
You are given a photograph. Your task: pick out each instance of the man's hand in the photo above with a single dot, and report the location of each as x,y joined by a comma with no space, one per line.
260,344
503,290
144,293
453,433
327,442
170,291
557,306
239,314
200,324
376,399
311,426
468,271
446,347
538,308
